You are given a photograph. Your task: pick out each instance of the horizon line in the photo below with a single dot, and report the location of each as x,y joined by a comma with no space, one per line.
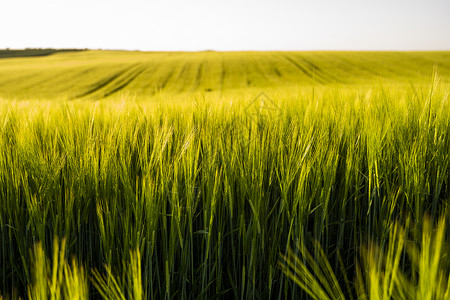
214,50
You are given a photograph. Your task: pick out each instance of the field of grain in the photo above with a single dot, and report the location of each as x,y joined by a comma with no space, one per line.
245,175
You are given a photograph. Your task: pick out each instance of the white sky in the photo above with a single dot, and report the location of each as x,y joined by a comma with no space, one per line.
227,24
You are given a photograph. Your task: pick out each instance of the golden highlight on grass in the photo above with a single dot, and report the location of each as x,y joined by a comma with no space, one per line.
383,275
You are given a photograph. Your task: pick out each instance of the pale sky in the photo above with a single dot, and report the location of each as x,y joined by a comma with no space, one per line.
193,25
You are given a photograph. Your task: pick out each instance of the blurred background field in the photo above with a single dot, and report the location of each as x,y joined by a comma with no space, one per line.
100,74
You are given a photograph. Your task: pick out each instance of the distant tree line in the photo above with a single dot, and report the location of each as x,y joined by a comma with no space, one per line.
8,53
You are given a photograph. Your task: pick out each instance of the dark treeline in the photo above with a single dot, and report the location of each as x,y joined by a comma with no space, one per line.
8,53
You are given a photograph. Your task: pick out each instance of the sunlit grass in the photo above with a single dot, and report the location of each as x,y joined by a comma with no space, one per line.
195,194
383,273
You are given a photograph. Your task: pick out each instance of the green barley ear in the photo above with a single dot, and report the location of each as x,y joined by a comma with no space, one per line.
75,282
107,285
135,286
433,273
384,278
56,279
39,268
314,275
47,278
382,267
112,287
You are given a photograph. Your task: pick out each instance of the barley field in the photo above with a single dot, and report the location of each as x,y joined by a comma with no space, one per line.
230,175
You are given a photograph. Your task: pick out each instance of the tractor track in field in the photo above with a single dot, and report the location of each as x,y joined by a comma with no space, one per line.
131,78
222,75
103,83
359,67
318,71
198,77
176,84
301,68
277,72
43,80
258,67
166,79
310,69
20,78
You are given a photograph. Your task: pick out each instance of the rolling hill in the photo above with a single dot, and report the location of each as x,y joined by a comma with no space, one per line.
100,74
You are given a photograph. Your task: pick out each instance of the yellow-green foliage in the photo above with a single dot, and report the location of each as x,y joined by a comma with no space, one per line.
176,191
99,74
58,279
381,275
